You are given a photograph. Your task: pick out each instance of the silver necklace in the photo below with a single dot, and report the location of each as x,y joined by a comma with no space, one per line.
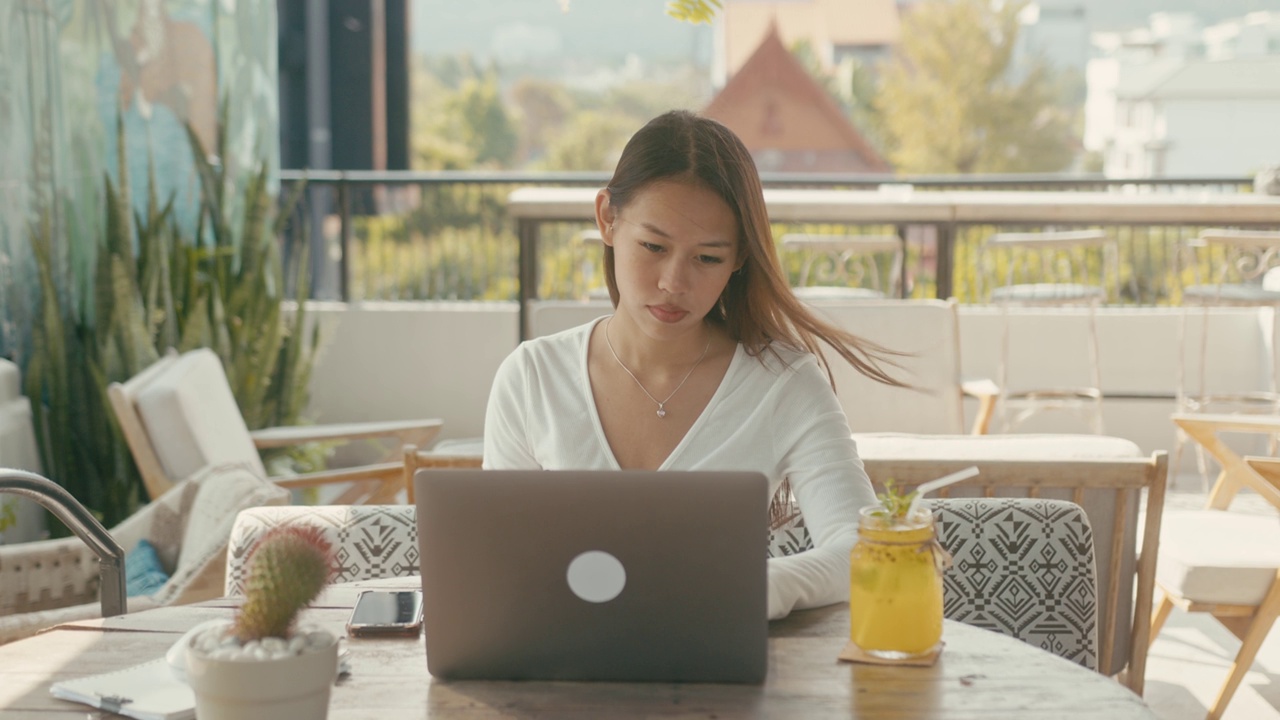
662,404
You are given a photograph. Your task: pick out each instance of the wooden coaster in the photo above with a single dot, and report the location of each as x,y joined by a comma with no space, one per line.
853,653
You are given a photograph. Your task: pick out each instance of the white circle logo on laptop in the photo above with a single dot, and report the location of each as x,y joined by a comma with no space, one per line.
596,576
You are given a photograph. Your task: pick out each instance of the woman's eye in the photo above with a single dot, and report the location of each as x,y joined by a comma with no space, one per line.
651,247
710,259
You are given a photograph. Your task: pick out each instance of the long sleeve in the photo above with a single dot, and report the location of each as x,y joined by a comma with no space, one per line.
506,436
830,486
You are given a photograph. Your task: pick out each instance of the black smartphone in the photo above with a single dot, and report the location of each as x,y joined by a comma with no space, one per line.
386,612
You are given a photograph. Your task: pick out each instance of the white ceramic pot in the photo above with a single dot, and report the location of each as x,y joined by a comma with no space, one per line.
294,687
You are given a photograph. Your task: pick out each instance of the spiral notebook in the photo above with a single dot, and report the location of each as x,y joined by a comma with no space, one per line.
147,692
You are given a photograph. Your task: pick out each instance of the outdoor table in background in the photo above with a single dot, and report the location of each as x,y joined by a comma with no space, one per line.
902,205
980,674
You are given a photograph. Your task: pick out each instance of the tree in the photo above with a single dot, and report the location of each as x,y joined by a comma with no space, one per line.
543,109
952,103
593,141
852,84
481,122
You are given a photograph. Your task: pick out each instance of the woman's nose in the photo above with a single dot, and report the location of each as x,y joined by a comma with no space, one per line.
674,277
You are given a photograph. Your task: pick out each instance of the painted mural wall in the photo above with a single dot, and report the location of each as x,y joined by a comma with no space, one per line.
76,75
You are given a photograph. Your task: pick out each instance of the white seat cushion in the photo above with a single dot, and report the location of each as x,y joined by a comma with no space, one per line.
1217,556
993,447
192,418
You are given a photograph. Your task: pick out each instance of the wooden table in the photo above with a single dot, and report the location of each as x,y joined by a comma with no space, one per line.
980,675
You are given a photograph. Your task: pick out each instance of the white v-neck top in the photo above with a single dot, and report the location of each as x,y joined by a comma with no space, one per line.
780,418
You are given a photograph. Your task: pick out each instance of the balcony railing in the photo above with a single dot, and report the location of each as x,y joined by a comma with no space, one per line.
449,235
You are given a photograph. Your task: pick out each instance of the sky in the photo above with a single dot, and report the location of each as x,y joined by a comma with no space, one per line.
515,31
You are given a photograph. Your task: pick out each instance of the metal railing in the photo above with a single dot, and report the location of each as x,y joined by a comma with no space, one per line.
447,235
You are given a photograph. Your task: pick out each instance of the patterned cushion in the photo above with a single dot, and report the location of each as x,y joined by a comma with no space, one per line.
1024,568
790,538
369,541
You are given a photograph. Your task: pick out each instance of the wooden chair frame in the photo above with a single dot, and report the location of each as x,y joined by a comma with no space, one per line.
371,484
1249,623
415,459
1112,482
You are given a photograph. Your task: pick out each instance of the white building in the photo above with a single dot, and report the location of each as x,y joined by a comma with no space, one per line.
1179,99
1056,32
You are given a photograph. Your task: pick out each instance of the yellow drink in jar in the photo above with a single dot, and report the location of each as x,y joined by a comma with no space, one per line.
895,586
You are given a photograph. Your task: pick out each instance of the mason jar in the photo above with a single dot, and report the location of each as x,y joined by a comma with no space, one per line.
895,585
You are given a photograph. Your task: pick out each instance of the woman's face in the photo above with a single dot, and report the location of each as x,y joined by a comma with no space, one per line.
675,245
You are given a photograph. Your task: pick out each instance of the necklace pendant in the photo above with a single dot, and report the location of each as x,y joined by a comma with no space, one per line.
662,412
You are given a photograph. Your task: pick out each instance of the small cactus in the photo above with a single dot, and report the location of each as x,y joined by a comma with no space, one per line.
287,570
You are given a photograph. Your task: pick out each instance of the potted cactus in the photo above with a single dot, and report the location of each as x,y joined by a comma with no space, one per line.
262,664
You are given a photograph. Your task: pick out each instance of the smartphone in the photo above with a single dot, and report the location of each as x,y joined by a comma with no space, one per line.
386,612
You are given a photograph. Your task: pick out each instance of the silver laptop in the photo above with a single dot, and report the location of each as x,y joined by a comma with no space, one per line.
594,575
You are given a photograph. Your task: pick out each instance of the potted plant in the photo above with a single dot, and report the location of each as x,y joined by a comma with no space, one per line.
261,665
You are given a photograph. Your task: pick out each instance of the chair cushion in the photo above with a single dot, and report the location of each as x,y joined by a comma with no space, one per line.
142,570
790,539
219,493
192,418
1023,568
1217,556
369,541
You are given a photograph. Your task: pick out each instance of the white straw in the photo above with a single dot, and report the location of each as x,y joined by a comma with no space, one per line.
941,482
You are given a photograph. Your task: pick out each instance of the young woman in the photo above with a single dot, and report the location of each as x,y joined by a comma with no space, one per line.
708,361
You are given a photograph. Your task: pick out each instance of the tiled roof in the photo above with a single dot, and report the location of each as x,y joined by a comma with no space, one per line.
785,117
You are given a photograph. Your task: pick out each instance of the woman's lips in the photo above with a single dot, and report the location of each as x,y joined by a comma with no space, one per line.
667,313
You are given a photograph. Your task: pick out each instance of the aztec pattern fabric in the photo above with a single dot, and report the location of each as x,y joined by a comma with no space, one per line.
369,541
1022,567
791,538
787,532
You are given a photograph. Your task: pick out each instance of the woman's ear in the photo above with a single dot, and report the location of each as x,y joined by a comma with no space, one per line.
604,217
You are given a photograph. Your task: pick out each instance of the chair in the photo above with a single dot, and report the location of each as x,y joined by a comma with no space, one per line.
1244,269
1048,269
179,415
369,541
928,328
48,582
847,267
1226,564
1109,488
1024,568
18,451
930,331
459,453
1106,476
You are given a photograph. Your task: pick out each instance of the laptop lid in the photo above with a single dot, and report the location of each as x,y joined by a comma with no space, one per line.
594,575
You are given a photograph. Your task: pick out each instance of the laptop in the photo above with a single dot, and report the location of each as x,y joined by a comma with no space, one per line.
594,575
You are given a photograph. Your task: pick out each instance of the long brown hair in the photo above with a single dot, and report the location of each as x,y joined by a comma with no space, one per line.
757,307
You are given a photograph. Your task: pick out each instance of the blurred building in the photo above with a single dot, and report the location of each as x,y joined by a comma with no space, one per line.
835,29
787,120
344,84
1177,98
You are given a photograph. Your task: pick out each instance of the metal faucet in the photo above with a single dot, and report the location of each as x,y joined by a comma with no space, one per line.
58,501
